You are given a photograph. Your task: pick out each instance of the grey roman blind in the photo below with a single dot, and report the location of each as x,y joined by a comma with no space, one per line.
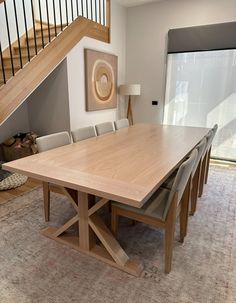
202,38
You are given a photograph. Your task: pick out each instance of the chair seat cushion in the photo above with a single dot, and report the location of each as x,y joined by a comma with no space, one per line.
154,207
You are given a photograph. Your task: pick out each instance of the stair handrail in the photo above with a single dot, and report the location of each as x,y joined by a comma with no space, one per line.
95,10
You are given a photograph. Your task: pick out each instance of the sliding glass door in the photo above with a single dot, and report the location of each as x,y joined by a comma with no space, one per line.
201,91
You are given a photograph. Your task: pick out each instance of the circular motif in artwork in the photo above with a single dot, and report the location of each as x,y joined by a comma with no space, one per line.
103,81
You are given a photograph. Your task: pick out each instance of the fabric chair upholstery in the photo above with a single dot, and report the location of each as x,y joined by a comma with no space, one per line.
208,156
52,141
122,123
201,149
46,143
162,209
104,128
83,133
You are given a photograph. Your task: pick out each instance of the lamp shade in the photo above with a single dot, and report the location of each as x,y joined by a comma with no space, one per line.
130,89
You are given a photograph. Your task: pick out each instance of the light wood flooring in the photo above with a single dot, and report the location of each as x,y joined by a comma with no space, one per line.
13,193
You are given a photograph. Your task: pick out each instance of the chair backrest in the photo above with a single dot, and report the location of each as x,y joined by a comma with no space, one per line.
52,141
209,137
122,123
104,128
214,129
181,180
83,133
200,148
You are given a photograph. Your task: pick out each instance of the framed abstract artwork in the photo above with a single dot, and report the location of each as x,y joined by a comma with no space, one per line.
100,80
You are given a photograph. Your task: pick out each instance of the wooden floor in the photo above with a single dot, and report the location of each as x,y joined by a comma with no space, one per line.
31,183
12,193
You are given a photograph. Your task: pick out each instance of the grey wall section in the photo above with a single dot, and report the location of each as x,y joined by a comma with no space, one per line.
18,122
202,38
148,26
48,106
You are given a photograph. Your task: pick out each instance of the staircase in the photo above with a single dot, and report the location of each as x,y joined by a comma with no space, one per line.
26,62
25,56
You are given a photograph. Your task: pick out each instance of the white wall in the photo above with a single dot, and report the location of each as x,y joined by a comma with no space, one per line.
147,30
76,80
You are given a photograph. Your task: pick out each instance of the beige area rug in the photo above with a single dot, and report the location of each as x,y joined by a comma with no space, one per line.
36,269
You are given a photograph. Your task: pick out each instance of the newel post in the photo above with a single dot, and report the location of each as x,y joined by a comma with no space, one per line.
108,17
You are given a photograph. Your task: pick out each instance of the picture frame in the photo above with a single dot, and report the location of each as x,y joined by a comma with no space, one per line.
100,80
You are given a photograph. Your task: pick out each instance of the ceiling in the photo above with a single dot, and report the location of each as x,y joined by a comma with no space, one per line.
129,3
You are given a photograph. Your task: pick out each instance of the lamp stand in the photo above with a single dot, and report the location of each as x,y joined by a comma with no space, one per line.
129,112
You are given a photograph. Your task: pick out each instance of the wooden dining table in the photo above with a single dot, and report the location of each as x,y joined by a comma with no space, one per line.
127,166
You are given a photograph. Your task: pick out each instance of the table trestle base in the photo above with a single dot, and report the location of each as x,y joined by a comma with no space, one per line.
132,267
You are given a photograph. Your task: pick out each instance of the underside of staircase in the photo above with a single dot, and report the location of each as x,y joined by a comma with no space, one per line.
27,78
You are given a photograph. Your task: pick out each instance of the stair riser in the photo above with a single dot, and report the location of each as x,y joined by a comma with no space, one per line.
25,52
16,61
8,73
39,41
45,32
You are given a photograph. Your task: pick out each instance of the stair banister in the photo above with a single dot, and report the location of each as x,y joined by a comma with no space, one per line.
45,45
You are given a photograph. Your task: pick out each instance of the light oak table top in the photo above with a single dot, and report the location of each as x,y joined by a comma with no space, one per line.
126,166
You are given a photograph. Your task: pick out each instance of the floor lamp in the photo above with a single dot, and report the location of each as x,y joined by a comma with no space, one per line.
130,90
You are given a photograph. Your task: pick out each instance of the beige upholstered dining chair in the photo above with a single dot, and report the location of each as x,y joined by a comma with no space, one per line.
122,123
194,177
214,130
104,128
83,133
196,174
46,143
52,141
209,137
163,208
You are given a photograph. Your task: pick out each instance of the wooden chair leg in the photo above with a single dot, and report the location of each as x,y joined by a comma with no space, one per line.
185,211
207,165
46,200
169,236
195,190
114,221
202,177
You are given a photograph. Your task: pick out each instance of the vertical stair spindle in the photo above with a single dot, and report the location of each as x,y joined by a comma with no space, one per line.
87,9
91,3
82,8
49,31
41,22
100,12
77,8
33,20
104,13
60,15
17,32
2,64
9,38
96,11
54,15
67,22
72,10
26,30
